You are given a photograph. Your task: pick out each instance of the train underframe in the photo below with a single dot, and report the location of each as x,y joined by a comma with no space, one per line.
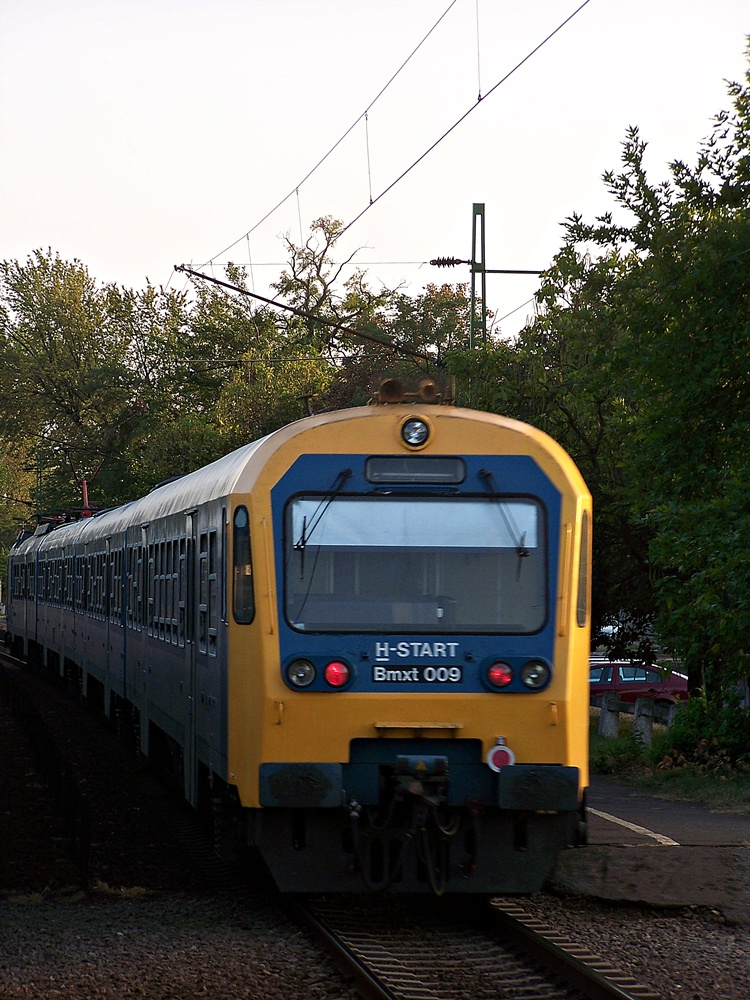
418,837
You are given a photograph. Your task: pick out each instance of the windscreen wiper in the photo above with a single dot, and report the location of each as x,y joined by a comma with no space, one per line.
301,544
517,538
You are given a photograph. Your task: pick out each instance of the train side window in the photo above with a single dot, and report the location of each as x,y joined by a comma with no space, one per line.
243,598
115,587
161,596
70,582
89,598
190,592
203,592
80,584
172,591
131,586
182,592
141,592
582,608
154,585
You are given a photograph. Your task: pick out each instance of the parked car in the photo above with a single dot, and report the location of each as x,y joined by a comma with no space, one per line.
636,680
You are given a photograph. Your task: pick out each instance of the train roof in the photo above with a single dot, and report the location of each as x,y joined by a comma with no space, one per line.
180,494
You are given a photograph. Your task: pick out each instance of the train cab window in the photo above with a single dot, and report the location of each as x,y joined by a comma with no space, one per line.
582,608
243,599
415,564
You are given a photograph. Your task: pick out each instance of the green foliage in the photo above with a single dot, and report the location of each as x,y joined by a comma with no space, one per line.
710,735
624,755
123,389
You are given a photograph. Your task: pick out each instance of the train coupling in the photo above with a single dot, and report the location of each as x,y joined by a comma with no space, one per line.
423,776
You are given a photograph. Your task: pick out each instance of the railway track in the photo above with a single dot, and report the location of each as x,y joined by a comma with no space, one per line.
448,950
395,947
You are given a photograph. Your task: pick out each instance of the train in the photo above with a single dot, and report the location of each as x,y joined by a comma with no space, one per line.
366,633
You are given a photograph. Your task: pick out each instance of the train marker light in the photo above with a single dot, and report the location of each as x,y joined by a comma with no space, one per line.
301,673
428,391
415,432
391,391
535,674
500,755
337,673
499,674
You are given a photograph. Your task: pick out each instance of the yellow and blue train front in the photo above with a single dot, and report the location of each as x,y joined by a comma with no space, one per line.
424,722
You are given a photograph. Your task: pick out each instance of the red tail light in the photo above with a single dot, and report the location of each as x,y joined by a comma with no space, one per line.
500,674
337,673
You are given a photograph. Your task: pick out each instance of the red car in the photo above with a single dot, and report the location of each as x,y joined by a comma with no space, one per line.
634,680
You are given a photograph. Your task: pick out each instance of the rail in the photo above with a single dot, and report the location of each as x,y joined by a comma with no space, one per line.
398,949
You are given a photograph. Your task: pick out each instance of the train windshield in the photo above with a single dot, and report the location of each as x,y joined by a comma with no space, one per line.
415,564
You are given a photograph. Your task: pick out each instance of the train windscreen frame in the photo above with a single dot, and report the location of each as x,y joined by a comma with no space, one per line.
396,564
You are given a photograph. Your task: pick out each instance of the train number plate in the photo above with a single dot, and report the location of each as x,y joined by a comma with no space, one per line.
417,675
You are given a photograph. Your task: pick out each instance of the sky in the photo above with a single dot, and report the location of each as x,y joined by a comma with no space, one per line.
140,134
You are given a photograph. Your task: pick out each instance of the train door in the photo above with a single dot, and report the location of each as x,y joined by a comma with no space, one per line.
36,574
146,608
108,611
189,577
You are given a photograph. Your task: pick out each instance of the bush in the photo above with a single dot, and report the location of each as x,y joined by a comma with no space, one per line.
623,755
709,735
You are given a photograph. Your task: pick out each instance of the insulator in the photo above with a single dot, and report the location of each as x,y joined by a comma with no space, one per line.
447,261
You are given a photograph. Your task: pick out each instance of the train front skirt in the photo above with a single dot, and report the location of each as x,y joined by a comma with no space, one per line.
408,831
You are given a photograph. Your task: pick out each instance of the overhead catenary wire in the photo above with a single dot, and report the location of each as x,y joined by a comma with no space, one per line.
465,115
338,142
331,324
403,174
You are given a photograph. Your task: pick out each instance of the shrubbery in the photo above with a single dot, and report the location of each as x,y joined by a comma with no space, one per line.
707,738
708,735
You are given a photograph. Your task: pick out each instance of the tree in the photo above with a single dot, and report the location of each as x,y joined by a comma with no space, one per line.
61,362
639,362
364,333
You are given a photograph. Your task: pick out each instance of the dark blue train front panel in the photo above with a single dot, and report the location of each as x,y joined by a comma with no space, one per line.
416,586
430,581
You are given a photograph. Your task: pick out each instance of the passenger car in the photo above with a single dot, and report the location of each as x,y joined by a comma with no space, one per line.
636,680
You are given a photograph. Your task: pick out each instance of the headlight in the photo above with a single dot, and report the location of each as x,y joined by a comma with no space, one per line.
499,674
535,674
301,673
415,432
